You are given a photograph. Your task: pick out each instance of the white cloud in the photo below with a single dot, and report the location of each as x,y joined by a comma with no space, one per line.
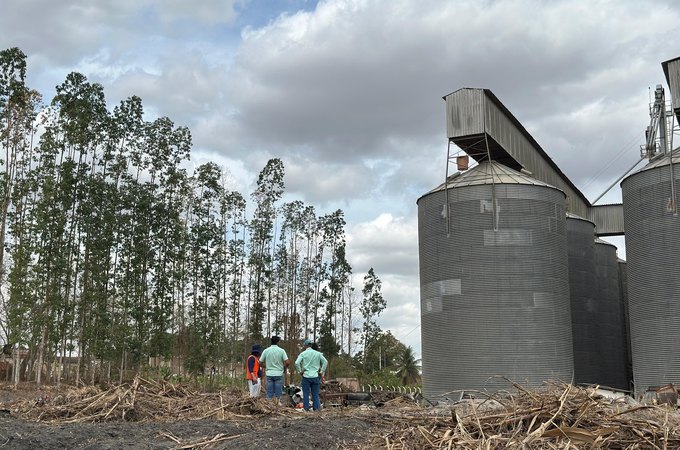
388,244
205,12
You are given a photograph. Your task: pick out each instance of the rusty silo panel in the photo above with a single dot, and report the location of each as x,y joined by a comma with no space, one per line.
495,291
653,257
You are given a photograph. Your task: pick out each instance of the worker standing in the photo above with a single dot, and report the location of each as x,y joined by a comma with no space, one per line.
275,361
311,363
254,371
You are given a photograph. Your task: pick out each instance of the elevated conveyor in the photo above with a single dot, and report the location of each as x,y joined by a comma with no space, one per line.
478,123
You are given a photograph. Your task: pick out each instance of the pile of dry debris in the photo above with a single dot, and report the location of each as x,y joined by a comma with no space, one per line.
559,417
142,400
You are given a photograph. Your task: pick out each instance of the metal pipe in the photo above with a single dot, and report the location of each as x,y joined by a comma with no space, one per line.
446,190
674,197
618,179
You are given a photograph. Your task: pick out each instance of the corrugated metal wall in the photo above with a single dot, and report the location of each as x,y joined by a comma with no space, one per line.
584,302
623,293
611,340
653,257
465,112
608,219
493,302
673,78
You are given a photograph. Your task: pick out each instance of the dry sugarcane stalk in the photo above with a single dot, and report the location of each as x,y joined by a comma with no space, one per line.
170,436
218,438
541,429
222,405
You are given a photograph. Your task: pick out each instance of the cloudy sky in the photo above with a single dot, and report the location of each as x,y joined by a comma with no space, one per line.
348,92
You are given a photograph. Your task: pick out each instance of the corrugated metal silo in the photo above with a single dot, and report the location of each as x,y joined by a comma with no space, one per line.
584,303
611,342
653,256
623,293
494,287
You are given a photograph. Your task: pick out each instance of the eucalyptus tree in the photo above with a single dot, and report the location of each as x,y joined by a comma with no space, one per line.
289,265
308,266
21,277
269,190
205,238
234,208
349,302
277,314
333,236
127,143
78,134
19,106
18,109
372,305
166,147
229,257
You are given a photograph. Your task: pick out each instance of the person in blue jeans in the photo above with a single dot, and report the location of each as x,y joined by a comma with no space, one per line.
312,365
275,359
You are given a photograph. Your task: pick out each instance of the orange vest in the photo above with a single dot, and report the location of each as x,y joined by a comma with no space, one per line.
256,368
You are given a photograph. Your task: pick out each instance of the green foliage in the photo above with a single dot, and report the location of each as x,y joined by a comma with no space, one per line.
197,358
269,190
371,306
113,253
340,366
384,377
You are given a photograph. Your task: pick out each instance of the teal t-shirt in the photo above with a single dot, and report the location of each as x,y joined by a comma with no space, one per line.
274,357
310,362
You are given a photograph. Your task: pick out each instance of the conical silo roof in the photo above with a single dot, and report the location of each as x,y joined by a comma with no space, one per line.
489,172
661,161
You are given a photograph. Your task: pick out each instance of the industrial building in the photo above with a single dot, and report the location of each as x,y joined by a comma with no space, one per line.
516,285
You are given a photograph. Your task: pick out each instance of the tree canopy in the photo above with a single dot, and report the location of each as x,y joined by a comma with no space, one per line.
116,258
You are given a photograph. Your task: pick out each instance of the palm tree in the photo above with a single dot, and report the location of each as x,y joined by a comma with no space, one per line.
409,367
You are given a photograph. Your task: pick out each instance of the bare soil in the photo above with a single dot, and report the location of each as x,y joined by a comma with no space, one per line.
267,433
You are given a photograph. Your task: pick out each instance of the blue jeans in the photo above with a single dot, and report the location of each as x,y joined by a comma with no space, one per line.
311,384
274,386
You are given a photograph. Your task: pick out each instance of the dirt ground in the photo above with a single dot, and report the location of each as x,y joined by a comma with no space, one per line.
267,433
291,429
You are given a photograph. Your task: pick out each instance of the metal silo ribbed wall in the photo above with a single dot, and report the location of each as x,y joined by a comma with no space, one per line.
611,342
584,302
653,257
494,302
623,293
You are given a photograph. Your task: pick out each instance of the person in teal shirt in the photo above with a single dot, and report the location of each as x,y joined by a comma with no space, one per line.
311,364
275,360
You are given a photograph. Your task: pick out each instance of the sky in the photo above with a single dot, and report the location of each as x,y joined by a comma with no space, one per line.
348,93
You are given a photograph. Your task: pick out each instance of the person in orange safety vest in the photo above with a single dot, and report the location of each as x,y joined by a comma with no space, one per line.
254,371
